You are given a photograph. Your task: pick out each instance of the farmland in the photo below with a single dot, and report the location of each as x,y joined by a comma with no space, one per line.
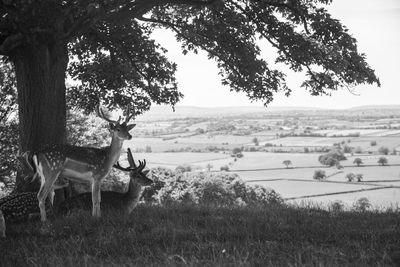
205,139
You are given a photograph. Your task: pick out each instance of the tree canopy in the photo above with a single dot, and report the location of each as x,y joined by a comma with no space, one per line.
112,56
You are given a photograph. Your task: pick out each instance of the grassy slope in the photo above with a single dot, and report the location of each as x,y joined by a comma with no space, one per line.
201,236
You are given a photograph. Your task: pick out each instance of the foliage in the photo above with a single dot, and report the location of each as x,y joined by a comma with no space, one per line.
383,150
213,189
337,206
319,175
224,168
183,168
359,177
347,149
358,161
255,141
373,143
114,58
287,163
331,158
8,124
362,204
86,130
382,161
350,177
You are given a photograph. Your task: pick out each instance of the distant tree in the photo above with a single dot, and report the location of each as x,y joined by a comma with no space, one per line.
347,149
287,163
383,150
331,158
359,177
209,166
358,150
350,177
319,175
183,168
255,141
224,168
373,143
358,161
382,161
306,150
337,206
362,204
236,150
148,149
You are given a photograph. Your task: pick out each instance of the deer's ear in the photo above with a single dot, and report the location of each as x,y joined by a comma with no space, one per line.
130,126
146,172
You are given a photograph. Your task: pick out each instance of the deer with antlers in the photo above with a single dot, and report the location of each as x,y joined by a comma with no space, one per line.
125,202
81,164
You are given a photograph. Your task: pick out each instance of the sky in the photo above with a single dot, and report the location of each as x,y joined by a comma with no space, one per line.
374,23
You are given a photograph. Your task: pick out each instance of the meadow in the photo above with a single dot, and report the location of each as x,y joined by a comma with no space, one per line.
209,236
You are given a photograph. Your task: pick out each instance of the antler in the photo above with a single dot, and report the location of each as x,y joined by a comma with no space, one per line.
132,163
119,167
101,114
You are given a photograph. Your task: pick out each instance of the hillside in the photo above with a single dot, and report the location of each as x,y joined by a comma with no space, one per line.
206,236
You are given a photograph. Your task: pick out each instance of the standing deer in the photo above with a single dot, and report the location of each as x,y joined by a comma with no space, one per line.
82,164
114,200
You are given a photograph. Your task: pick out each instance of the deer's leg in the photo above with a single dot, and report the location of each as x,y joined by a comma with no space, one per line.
2,226
96,197
48,177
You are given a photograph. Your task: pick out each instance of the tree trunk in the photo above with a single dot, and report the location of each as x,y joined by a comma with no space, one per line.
40,71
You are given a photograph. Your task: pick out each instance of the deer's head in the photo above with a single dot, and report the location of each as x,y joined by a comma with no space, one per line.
119,130
136,172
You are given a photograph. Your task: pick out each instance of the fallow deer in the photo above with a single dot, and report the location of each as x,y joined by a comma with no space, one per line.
82,164
125,202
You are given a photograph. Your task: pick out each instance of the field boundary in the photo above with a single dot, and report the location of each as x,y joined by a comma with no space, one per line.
342,192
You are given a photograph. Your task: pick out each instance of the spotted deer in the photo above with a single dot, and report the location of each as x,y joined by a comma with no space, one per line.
81,164
125,202
19,208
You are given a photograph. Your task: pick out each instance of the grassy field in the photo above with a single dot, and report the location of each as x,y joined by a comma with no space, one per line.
204,236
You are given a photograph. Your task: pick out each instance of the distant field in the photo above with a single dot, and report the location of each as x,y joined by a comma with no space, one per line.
175,159
383,198
290,189
262,160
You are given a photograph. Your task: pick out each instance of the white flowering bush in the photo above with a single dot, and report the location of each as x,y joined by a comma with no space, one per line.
215,189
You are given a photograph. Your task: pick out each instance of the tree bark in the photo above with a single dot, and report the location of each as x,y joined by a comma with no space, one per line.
40,71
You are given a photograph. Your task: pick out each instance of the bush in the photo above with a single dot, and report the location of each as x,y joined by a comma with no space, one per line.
337,206
382,161
209,189
224,168
383,150
359,177
331,158
183,168
350,177
358,161
319,175
373,143
362,204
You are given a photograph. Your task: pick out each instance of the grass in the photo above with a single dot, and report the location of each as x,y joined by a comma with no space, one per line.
204,236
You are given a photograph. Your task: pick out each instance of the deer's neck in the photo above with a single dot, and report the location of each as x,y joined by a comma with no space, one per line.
113,152
132,196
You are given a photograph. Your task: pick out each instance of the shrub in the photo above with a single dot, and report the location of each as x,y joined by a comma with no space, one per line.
358,161
331,158
359,177
382,161
337,206
350,177
222,189
383,150
362,204
373,143
287,163
224,168
358,150
319,175
183,168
